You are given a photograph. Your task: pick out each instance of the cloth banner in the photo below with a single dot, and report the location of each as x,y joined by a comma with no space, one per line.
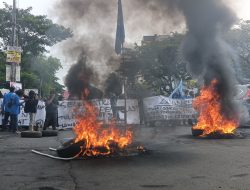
67,111
164,108
23,118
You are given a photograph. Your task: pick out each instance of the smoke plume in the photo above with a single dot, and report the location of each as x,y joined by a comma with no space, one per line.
206,50
208,55
94,25
78,80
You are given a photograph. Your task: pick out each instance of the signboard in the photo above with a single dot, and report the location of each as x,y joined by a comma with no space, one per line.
164,108
13,54
67,111
17,85
8,73
26,91
18,73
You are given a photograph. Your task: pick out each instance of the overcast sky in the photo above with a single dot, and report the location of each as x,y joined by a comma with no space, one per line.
45,7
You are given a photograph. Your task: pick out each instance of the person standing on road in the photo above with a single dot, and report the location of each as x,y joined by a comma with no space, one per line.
51,112
6,106
11,106
31,108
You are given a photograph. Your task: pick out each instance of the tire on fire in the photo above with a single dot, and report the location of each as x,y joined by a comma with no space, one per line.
70,149
49,133
197,132
31,134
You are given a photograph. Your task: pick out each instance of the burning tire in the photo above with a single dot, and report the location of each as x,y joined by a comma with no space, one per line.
70,149
197,132
192,122
49,133
219,135
31,134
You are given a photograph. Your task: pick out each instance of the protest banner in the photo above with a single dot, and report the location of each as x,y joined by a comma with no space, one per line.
26,91
164,108
67,111
23,118
133,116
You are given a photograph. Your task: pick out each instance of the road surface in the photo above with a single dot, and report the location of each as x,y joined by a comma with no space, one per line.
176,161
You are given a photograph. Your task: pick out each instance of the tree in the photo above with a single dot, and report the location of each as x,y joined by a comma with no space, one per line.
162,64
34,35
239,38
45,80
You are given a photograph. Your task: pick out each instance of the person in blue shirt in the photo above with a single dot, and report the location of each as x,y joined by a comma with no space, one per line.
11,108
5,108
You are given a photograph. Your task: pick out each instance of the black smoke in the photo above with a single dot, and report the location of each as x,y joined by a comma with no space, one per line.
78,80
94,23
209,56
206,50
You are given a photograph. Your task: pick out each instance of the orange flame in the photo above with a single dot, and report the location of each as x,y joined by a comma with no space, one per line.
99,139
210,117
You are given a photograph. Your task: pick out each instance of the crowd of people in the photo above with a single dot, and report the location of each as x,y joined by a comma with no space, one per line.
11,108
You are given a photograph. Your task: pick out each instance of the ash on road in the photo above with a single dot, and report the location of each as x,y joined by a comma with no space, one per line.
177,161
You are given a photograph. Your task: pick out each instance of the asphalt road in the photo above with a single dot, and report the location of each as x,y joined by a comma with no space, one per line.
176,161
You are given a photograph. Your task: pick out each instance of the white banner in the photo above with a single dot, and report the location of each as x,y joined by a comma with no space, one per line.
16,85
164,108
26,91
67,110
155,108
133,116
23,118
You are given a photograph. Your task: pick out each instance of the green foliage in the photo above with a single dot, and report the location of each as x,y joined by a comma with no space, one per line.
239,38
34,35
45,68
161,64
2,67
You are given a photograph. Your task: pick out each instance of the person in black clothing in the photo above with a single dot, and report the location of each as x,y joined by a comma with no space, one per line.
31,107
51,112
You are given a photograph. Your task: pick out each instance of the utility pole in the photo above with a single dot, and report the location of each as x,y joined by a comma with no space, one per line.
125,87
14,41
